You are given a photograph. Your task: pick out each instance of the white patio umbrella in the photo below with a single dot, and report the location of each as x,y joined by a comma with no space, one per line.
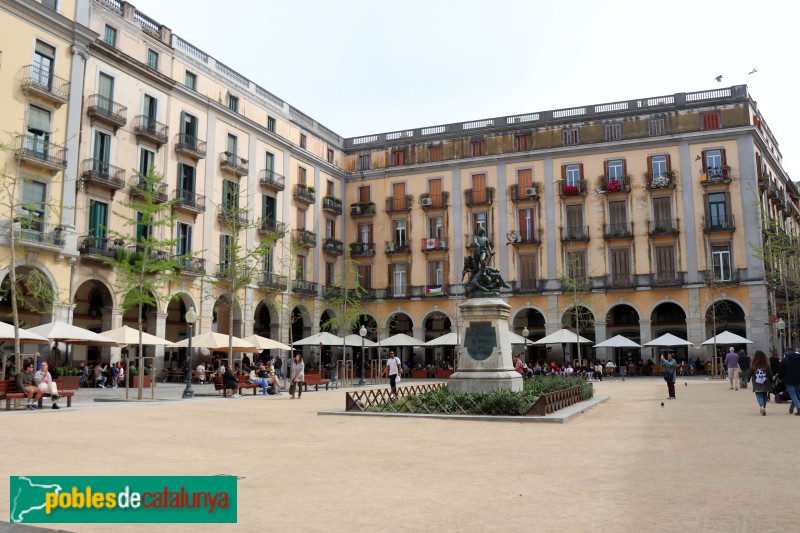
450,339
70,334
324,338
25,336
354,341
726,337
519,339
263,343
562,336
667,340
127,335
401,339
216,342
617,341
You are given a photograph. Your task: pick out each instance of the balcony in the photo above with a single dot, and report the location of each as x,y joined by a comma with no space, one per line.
530,238
780,203
667,279
269,280
716,175
271,227
101,173
374,294
99,248
714,224
140,188
438,201
331,204
233,217
362,209
620,281
39,152
397,248
576,284
399,204
333,247
138,252
659,228
224,270
616,185
665,180
527,194
190,266
189,201
577,188
362,249
763,182
618,231
435,244
233,163
526,286
574,234
772,191
33,233
308,288
189,145
40,81
305,193
732,277
150,129
101,109
273,180
473,197
305,238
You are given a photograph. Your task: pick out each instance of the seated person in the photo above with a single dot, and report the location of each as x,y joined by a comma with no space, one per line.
229,381
45,382
201,373
83,374
25,385
260,376
99,377
121,373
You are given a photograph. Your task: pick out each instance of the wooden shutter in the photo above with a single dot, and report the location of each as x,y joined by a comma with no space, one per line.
703,159
446,272
575,216
617,212
723,158
369,232
363,194
524,180
620,263
669,163
624,167
605,169
665,260
399,196
707,209
662,209
523,228
301,219
330,188
758,165
390,279
650,165
527,268
580,171
435,191
479,188
564,174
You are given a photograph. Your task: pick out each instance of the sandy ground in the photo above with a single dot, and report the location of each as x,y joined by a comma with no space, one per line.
705,462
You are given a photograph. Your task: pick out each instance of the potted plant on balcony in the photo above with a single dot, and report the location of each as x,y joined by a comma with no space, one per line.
569,190
356,248
310,189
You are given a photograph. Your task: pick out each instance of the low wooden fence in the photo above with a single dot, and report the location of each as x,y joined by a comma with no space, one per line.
362,400
553,401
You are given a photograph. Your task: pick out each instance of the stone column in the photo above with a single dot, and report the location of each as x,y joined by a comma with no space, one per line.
600,336
161,332
696,334
646,335
115,354
419,353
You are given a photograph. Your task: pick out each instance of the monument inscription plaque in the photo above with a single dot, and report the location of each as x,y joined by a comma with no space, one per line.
479,340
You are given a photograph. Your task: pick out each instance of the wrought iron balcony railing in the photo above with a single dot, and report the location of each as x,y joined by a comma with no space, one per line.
398,204
656,228
270,178
305,238
434,201
39,151
101,173
106,110
333,246
189,200
305,193
718,223
524,194
151,129
623,230
190,145
473,197
575,234
332,204
141,188
41,81
233,163
270,280
193,266
362,209
362,249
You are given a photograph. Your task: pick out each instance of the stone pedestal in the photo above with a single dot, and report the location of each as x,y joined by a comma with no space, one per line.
486,363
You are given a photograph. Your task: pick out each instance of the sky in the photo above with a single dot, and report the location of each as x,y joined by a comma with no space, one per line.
362,67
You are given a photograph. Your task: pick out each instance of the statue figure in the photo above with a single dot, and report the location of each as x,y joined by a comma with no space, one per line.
483,279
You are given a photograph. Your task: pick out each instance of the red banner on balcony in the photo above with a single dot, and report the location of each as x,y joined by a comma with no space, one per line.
430,243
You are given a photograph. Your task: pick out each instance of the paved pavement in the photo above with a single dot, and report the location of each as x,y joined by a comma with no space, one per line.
704,462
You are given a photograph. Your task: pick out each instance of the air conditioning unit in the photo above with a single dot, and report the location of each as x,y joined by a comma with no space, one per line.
355,210
427,202
531,191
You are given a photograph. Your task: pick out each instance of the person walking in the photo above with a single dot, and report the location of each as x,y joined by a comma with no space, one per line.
789,373
761,375
744,368
298,376
670,373
392,368
732,363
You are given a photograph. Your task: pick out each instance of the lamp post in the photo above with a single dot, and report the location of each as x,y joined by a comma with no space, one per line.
191,316
781,325
362,332
525,333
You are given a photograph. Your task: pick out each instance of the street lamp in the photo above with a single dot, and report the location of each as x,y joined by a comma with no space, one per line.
191,316
362,332
781,325
525,333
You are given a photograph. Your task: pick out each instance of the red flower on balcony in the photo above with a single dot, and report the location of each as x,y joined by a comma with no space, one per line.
613,186
570,190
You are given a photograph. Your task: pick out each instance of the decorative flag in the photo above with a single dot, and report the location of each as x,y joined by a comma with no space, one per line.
433,291
431,243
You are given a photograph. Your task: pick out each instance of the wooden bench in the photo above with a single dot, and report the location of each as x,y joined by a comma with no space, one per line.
243,384
315,379
8,391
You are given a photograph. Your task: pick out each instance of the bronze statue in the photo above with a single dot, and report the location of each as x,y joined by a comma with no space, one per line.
484,280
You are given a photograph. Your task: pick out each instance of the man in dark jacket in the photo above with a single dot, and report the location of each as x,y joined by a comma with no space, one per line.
26,385
789,373
744,368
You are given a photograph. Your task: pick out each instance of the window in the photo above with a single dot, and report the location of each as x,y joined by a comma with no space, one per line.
399,158
34,195
269,207
576,264
269,163
301,218
478,148
226,250
721,261
364,193
330,156
271,124
480,220
189,130
364,273
523,142
43,64
570,136
435,273
527,271
150,109
102,151
524,180
662,213
301,174
186,178
232,148
656,126
575,224
618,216
398,279
665,262
612,132
330,229
329,189
152,59
37,140
615,169
330,274
400,235
365,233
98,219
110,36
363,162
190,80
435,192
399,196
269,261
183,246
572,175
233,103
147,160
143,230
435,153
52,4
527,225
714,164
303,140
230,195
717,211
105,88
620,265
659,166
301,268
435,228
479,192
711,121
